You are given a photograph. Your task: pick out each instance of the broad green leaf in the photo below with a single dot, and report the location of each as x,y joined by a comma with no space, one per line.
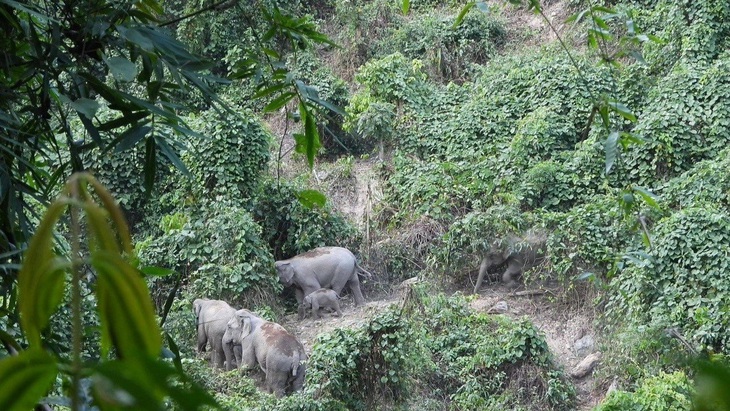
650,198
483,7
311,198
270,90
622,110
122,69
125,308
40,281
26,378
405,6
611,150
171,155
468,6
150,165
577,17
85,106
151,271
279,102
586,275
131,137
307,143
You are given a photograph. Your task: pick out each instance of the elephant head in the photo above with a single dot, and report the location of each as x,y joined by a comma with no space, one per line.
286,272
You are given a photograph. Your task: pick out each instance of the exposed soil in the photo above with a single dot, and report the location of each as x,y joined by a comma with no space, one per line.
562,325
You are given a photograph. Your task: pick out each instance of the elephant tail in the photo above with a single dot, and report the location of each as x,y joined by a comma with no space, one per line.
363,271
299,360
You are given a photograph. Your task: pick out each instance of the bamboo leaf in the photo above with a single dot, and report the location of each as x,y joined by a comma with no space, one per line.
468,6
311,198
611,150
125,308
25,379
40,281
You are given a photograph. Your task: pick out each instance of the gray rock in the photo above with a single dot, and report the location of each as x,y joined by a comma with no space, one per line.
499,308
584,346
586,366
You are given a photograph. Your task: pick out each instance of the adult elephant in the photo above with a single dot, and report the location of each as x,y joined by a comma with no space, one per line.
323,267
211,319
278,353
518,253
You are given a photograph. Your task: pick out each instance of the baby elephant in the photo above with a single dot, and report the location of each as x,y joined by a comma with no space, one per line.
322,298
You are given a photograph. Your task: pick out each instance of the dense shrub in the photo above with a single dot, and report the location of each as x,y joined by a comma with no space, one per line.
706,182
588,238
290,228
231,158
440,190
448,52
684,282
219,252
491,362
377,362
665,392
469,238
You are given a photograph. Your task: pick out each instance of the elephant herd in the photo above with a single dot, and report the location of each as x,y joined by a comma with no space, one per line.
241,339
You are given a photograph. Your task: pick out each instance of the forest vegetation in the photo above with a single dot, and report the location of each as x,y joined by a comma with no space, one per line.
153,152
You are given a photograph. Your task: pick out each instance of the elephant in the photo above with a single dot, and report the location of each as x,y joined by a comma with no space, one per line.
322,298
211,319
519,253
324,267
279,354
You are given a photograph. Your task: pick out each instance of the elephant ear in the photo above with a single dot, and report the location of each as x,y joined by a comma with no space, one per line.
246,329
197,306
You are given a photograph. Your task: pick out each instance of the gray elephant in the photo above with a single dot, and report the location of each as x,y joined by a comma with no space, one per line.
322,298
279,354
519,253
324,267
211,319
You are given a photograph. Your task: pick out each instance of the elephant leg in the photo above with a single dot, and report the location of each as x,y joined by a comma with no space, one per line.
228,350
315,309
276,382
218,355
299,293
354,285
338,312
237,354
248,356
512,273
298,382
483,267
202,339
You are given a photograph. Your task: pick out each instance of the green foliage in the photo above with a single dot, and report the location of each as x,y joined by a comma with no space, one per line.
128,325
230,160
706,182
393,78
682,281
491,362
684,122
290,228
440,190
447,52
468,238
220,252
670,392
379,361
588,238
633,352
